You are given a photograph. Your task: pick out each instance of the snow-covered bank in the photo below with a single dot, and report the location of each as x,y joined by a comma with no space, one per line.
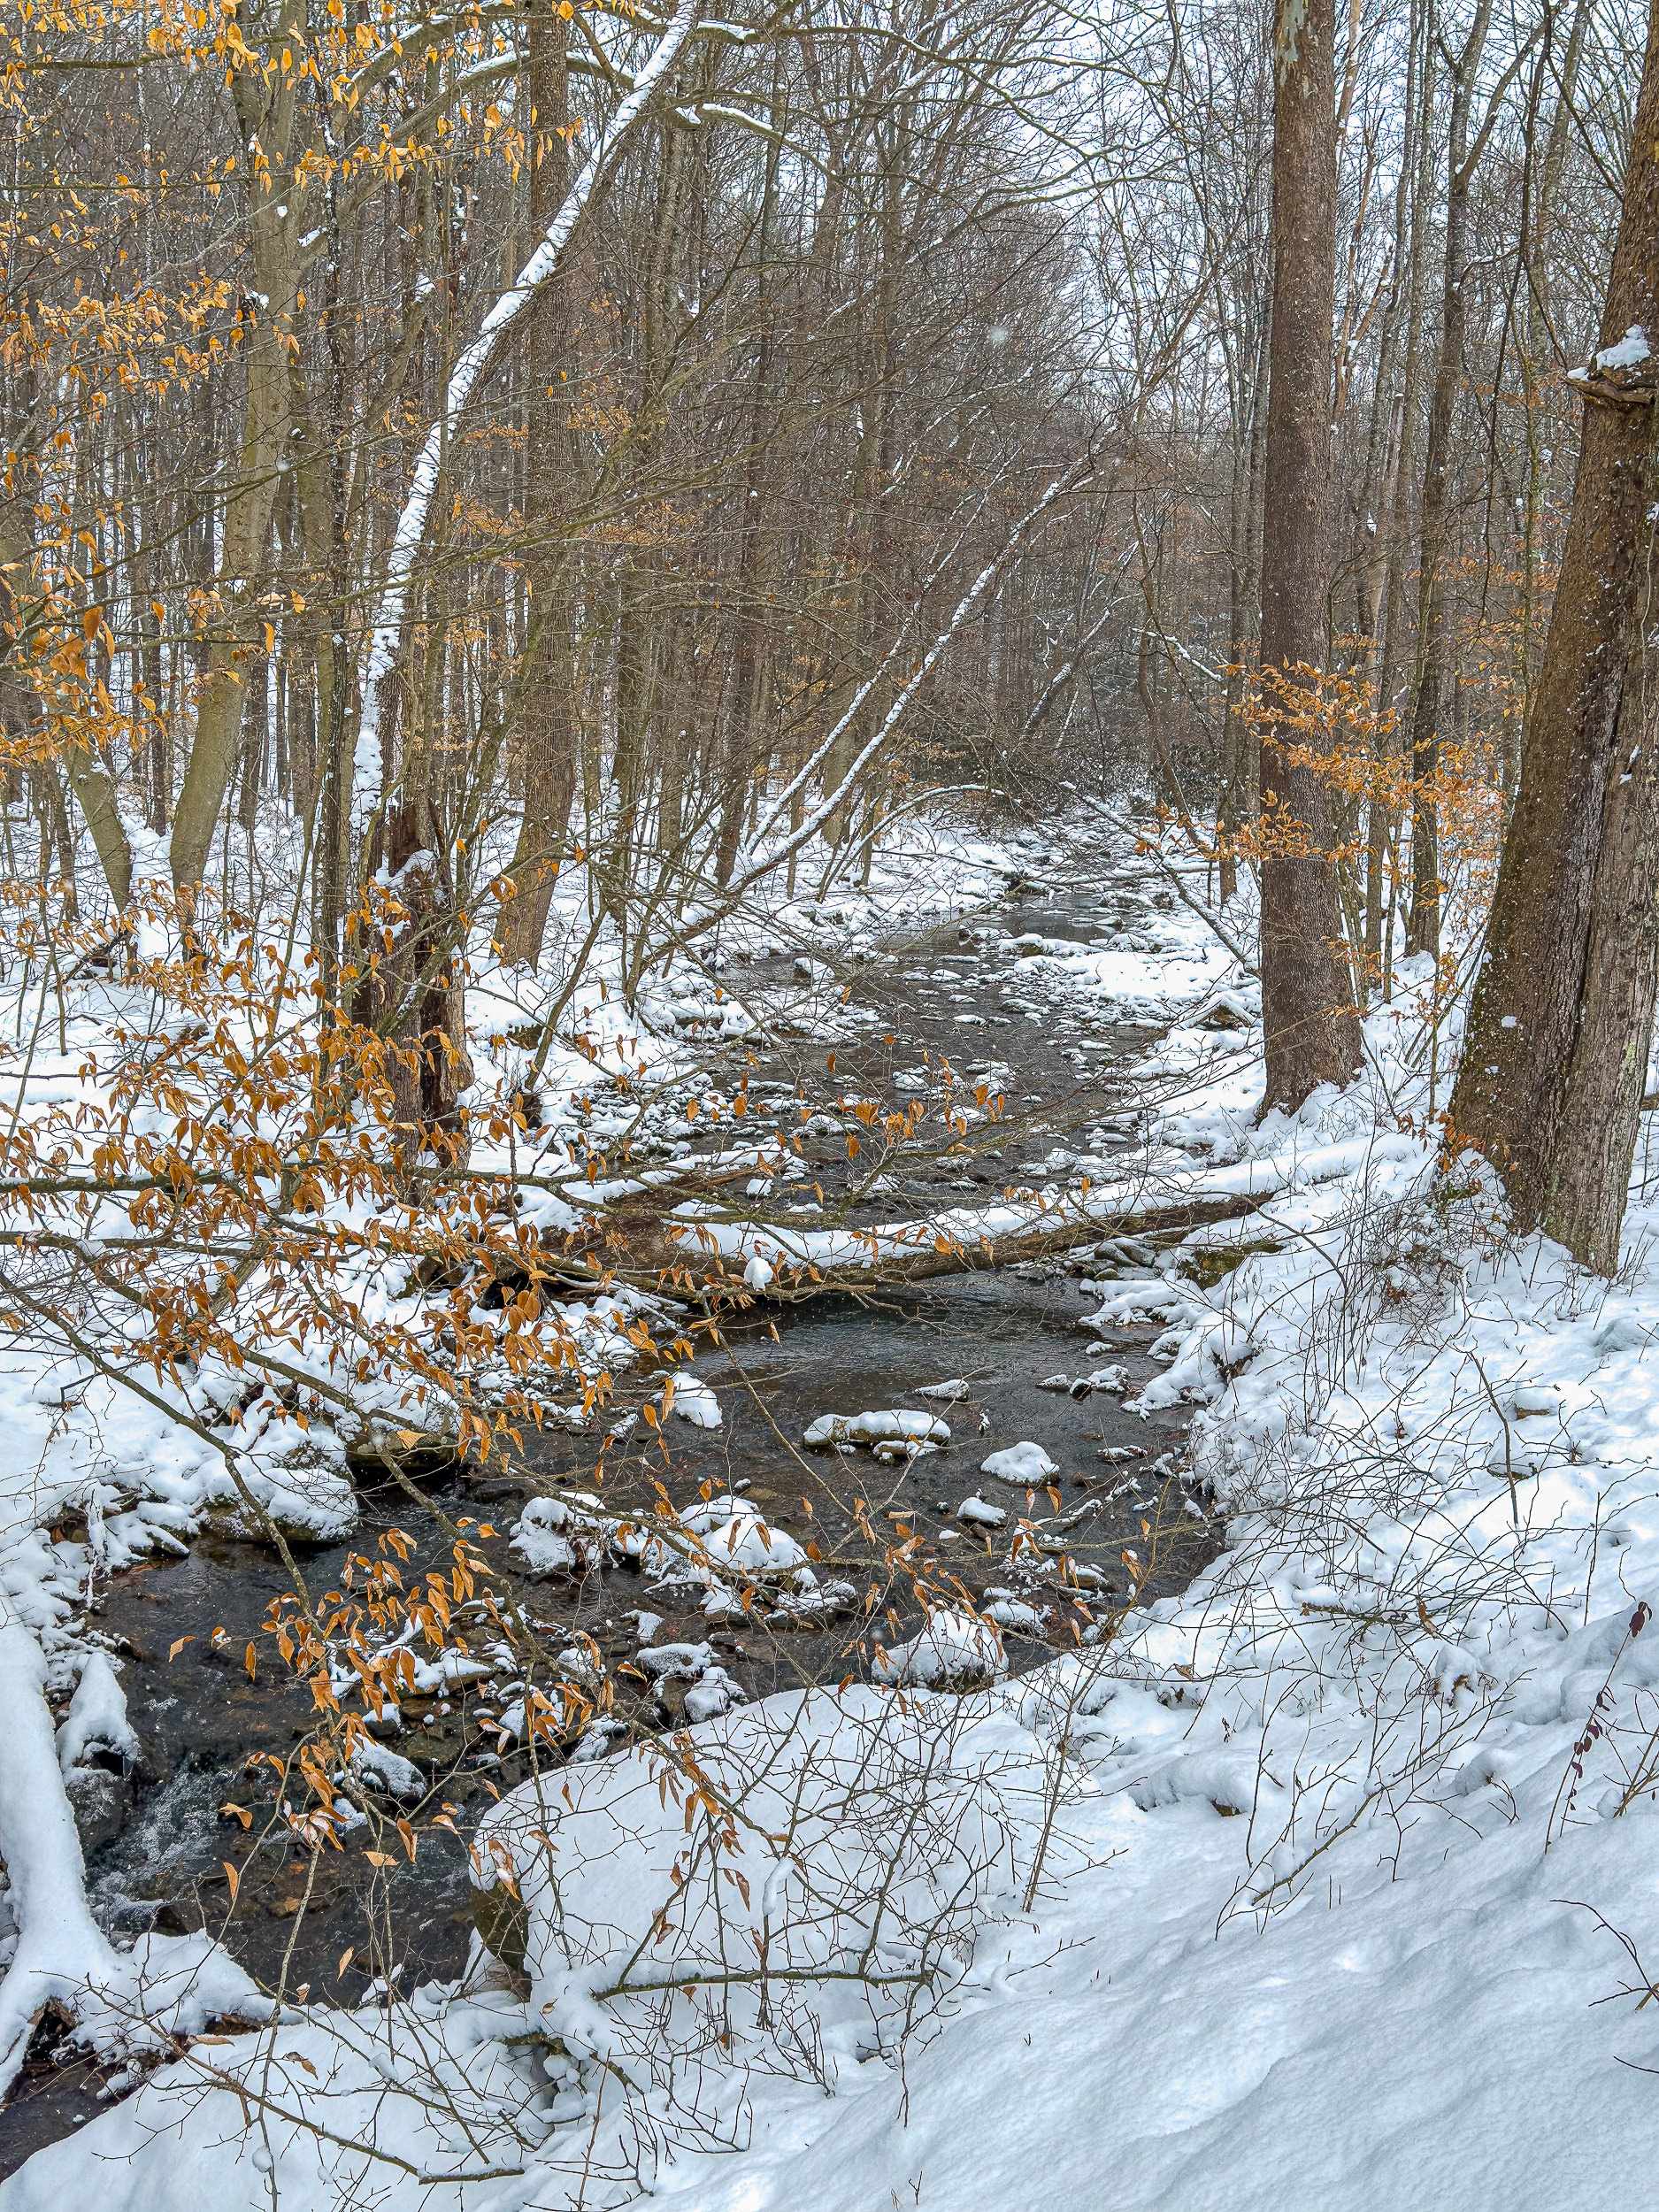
1307,1886
118,1450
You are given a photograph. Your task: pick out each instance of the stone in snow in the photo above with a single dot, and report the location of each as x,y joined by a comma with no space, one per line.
1024,1462
677,1659
1113,1379
378,1768
98,1715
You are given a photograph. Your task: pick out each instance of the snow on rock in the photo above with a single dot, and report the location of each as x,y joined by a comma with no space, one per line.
831,1429
663,1659
305,1494
953,1652
380,1767
711,1691
1015,1614
693,1401
868,1828
565,1535
1026,1463
539,1540
60,1951
946,1392
98,1717
735,1539
975,1513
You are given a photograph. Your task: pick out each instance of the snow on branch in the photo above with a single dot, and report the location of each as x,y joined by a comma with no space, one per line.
465,379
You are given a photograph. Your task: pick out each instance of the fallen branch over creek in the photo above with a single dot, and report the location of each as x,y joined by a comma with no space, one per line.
720,1256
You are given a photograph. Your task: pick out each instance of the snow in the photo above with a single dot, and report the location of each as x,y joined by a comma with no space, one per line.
380,1766
96,1717
1630,351
1025,1462
59,1949
831,1429
975,1513
561,1535
694,1400
737,1540
677,1659
1327,1882
953,1651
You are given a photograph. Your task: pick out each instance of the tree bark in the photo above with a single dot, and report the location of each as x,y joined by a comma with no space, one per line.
1422,927
1587,1181
1524,1019
547,722
1312,1031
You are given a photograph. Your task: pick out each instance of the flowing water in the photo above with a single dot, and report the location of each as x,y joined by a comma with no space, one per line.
291,1918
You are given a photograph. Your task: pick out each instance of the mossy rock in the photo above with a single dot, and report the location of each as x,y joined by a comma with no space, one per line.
1207,1264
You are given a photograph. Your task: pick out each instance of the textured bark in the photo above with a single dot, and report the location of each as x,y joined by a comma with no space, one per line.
1312,1031
414,995
1589,1176
1524,1019
1242,610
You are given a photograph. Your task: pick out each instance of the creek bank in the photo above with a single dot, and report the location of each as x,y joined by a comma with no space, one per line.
1000,1335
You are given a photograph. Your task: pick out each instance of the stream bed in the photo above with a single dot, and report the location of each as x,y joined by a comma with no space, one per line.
169,1856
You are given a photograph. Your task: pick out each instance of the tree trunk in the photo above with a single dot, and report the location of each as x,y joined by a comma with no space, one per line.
1312,1031
547,724
1524,1017
1422,925
1588,1177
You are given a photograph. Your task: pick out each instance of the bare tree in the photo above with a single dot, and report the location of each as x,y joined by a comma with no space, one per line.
1312,1031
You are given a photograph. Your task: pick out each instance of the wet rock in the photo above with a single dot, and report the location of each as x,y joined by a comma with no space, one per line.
671,1698
100,1802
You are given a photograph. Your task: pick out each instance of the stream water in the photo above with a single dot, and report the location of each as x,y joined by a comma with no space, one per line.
951,991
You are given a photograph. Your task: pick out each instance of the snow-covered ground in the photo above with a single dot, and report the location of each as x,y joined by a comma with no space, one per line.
1328,1883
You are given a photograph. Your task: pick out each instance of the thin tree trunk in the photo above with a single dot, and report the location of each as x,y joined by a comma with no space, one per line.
547,722
1422,923
1312,1033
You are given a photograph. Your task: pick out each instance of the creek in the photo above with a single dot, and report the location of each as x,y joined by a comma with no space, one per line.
182,1625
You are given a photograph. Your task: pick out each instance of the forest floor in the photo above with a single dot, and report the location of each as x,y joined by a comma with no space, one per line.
1332,1886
